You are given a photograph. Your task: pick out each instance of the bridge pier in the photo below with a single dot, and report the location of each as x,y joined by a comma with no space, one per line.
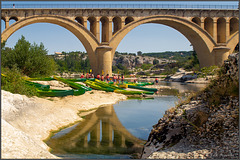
220,54
104,60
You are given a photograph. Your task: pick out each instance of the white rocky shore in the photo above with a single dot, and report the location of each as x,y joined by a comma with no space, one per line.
206,127
26,122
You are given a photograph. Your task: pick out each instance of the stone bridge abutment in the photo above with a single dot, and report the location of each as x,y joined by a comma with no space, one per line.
213,33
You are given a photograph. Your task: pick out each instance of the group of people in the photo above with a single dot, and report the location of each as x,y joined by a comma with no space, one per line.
115,78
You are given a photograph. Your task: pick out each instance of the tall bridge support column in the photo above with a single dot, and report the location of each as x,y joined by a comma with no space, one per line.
104,59
220,55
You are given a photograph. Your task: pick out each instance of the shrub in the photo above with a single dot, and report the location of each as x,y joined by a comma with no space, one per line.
14,83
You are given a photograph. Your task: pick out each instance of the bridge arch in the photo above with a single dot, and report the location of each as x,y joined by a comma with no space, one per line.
208,25
221,30
80,20
234,25
88,40
233,41
196,20
117,24
128,19
201,40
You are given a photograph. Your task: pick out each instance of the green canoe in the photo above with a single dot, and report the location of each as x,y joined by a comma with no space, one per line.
41,79
81,79
37,85
143,88
73,84
104,84
55,93
94,85
126,92
60,93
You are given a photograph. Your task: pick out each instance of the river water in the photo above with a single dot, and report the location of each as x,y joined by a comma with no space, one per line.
116,131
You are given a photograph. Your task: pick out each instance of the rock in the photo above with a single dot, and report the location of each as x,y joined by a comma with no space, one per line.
199,129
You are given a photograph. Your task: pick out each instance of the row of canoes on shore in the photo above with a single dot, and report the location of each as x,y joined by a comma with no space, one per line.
79,89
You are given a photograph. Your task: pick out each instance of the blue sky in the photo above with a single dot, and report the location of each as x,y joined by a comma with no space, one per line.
145,38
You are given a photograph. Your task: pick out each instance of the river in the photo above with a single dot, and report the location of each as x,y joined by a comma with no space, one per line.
116,131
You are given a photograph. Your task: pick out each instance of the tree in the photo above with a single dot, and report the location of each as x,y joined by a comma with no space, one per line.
155,61
139,53
31,59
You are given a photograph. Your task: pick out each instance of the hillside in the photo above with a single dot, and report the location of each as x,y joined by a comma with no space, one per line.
205,126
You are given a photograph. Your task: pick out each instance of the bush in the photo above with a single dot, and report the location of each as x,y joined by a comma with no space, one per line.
30,59
14,83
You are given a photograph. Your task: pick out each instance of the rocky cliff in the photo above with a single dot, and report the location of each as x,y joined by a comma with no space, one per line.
205,126
132,61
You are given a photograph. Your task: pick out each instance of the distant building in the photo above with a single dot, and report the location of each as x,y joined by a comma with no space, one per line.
58,55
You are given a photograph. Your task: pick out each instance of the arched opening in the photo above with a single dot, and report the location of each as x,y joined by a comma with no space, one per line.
117,24
79,20
104,29
234,25
203,43
3,23
221,30
148,38
93,25
128,20
59,42
54,37
196,20
12,20
208,25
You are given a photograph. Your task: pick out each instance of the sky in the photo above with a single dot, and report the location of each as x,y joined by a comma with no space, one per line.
145,38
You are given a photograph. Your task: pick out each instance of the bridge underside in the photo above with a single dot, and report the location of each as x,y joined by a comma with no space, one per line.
213,34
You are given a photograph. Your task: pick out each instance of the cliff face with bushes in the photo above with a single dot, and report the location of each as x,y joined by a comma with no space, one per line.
131,61
204,126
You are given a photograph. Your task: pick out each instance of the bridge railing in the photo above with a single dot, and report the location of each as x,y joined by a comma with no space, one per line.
137,6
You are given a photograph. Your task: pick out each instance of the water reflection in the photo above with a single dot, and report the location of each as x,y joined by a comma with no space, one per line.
100,133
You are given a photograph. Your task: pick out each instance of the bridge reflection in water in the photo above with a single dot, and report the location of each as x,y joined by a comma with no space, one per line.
101,132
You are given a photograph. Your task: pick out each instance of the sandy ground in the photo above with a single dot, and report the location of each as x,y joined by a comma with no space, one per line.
26,122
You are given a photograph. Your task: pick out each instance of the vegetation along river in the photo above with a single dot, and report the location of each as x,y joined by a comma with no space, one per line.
116,131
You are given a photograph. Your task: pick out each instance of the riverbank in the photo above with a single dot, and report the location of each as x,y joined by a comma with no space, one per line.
204,127
26,122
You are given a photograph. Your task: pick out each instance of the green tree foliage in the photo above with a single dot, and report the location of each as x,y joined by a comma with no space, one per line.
155,61
146,66
73,62
14,83
168,54
139,53
30,59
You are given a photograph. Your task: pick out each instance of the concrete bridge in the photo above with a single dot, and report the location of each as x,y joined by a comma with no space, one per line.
100,132
214,33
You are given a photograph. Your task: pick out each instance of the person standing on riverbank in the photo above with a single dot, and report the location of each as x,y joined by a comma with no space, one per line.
82,76
87,76
119,79
156,80
114,79
122,78
107,77
98,76
102,78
